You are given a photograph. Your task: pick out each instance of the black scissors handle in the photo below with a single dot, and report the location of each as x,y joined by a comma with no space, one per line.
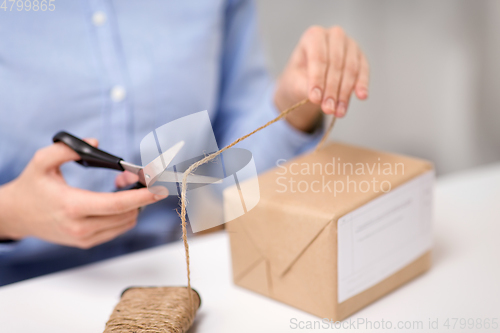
90,156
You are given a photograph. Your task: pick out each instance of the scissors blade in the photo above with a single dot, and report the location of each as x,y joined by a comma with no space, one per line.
159,164
135,169
176,177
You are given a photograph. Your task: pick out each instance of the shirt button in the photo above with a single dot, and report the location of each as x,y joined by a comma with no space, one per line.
99,18
118,93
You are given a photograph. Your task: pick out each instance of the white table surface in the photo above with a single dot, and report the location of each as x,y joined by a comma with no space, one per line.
463,283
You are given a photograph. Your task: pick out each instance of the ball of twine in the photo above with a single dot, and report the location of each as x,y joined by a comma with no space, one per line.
154,310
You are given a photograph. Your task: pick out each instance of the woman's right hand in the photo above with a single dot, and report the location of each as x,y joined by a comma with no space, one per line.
40,204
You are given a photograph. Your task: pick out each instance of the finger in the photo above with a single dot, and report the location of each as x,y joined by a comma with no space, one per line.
93,203
85,228
336,48
53,156
349,77
363,81
314,45
92,141
56,154
126,178
106,235
96,224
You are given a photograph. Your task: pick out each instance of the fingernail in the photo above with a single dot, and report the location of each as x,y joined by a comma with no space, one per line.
363,93
341,109
160,197
160,192
316,95
330,105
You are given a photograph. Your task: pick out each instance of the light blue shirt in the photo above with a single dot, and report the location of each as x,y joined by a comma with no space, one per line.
116,70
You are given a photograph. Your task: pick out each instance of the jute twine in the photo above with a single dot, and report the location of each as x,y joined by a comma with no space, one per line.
217,153
153,310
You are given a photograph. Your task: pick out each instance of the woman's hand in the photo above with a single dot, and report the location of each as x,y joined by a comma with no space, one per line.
327,67
39,203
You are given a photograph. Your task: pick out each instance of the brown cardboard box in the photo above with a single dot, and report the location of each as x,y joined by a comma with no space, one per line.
305,233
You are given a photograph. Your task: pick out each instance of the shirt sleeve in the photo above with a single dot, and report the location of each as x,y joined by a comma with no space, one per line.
7,245
246,94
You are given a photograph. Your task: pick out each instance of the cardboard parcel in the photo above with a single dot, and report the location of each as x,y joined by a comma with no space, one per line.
334,230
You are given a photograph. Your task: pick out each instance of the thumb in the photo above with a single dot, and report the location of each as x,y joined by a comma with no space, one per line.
57,154
54,155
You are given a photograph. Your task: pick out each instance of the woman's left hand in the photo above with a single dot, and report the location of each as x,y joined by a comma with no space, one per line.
327,66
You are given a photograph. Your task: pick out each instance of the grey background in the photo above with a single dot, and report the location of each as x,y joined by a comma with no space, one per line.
435,72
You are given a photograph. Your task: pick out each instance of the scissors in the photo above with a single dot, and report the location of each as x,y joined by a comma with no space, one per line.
153,172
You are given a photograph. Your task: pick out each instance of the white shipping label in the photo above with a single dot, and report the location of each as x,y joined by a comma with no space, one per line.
383,236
